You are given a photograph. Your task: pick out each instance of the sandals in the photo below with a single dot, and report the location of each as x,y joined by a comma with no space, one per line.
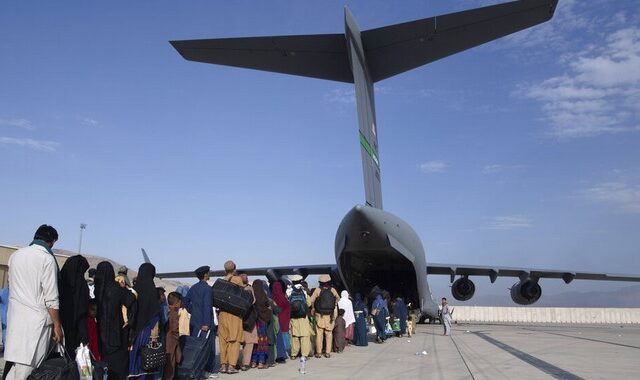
327,355
231,371
224,368
244,368
318,356
254,365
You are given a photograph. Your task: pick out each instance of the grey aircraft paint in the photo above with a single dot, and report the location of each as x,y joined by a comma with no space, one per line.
372,246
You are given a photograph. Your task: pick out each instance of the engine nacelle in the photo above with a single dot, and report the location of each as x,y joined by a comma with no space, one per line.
526,292
462,289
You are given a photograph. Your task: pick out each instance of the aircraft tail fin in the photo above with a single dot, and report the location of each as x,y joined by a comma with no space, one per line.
364,58
145,257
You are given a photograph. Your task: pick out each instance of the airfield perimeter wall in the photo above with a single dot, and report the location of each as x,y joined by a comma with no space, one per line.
547,315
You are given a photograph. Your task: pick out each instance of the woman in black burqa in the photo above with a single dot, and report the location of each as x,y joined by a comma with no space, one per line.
74,302
147,321
112,331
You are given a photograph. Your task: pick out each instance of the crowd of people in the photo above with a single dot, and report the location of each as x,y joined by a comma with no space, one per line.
118,319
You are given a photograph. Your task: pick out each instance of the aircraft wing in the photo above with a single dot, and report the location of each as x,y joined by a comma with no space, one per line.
303,270
522,273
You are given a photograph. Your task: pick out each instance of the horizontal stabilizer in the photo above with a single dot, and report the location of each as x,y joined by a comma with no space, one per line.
394,49
321,56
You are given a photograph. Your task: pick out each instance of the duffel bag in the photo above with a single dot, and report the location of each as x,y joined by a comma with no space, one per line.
231,298
56,367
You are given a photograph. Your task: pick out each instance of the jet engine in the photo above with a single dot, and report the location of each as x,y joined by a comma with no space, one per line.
462,289
526,292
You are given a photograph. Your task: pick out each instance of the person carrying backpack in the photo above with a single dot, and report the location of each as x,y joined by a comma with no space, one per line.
300,326
324,300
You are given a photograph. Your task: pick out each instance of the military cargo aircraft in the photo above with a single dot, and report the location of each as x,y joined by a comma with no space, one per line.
372,246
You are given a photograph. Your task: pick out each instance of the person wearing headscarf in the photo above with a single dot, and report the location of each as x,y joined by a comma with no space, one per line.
402,314
283,340
4,306
250,332
112,332
349,317
360,329
74,301
263,308
380,313
145,329
273,327
230,332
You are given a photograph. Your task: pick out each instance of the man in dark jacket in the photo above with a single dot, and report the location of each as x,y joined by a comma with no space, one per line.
198,302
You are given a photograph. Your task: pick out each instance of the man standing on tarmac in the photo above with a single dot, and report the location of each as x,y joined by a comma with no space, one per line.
33,316
198,303
324,300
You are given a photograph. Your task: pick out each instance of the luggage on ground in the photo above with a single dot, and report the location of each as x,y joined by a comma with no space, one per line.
231,298
195,356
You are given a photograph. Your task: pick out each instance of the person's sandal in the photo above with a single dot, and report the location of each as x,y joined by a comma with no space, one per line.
244,368
318,356
327,355
262,366
231,371
223,368
254,365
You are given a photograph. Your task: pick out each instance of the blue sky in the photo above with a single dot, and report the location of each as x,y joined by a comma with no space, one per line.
522,152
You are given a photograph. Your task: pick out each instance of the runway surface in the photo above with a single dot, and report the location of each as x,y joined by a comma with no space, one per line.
480,352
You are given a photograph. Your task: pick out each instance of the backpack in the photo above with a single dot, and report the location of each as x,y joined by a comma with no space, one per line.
326,302
298,301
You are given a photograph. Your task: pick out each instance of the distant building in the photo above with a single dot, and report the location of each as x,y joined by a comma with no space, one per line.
6,251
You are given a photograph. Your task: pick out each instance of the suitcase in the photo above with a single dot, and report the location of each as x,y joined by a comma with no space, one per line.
195,355
231,298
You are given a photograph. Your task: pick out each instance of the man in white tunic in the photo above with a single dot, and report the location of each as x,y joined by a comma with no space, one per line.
33,304
445,316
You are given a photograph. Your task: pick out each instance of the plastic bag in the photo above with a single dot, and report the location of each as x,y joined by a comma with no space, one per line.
372,329
83,361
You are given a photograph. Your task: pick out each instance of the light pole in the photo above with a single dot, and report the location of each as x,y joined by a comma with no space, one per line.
82,227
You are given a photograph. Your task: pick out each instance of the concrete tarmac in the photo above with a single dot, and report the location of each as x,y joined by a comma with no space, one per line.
481,352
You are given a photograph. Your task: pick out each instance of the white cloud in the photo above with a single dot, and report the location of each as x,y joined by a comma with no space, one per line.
20,123
511,222
46,146
89,122
498,168
339,95
621,195
432,167
600,93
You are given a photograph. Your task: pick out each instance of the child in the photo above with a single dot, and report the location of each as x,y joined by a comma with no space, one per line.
92,329
172,343
410,325
339,331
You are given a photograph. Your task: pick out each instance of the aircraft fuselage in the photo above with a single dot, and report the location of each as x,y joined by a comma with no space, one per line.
376,248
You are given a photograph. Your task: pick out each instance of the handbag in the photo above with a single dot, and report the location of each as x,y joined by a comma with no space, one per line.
152,356
56,367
